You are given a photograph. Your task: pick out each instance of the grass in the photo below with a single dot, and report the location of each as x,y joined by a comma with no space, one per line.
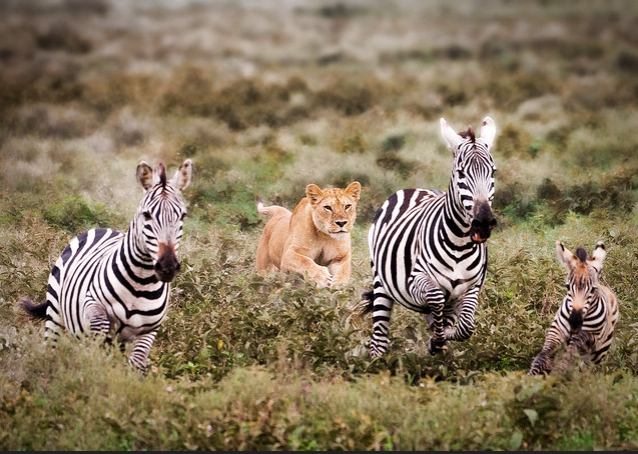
266,100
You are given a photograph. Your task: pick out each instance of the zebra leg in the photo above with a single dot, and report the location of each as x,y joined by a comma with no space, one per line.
141,349
53,325
544,361
579,343
428,295
381,312
465,313
97,318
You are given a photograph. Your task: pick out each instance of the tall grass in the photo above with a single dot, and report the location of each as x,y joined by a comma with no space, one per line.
267,98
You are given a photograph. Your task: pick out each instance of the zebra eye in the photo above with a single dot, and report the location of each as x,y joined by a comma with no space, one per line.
460,173
181,218
147,215
327,208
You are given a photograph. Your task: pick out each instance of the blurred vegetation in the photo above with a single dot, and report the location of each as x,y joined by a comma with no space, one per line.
266,99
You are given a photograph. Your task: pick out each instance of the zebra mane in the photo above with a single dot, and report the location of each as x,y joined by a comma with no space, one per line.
468,134
161,170
581,254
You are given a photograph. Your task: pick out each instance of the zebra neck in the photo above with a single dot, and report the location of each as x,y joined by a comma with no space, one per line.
138,262
455,225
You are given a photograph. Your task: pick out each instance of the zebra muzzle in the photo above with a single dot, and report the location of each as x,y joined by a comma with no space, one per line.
483,222
576,320
167,265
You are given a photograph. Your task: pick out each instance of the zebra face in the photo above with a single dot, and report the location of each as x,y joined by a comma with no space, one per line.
582,280
161,216
473,177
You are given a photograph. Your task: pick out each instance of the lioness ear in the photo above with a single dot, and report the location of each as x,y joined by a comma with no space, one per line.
314,193
144,175
354,190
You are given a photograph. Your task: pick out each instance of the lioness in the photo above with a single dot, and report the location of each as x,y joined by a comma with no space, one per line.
314,238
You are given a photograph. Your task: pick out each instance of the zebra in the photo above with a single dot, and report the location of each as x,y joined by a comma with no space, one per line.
587,316
118,284
428,248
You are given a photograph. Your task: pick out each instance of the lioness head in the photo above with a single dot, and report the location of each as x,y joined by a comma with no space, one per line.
334,210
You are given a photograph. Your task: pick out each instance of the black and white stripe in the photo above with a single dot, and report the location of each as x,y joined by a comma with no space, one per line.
587,316
428,248
118,284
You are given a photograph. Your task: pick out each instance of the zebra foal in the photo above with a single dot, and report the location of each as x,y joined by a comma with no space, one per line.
587,316
118,284
428,249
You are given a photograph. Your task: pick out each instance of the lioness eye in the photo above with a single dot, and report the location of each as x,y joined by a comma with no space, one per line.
347,207
327,208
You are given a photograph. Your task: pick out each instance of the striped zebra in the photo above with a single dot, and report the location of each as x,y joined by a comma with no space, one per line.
586,318
428,249
118,284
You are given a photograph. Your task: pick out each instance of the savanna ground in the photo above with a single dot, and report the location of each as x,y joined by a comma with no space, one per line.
266,97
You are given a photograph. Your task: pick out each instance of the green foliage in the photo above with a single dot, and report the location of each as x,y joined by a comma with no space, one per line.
76,215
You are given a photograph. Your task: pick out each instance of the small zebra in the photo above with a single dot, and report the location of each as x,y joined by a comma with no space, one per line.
428,249
586,318
118,284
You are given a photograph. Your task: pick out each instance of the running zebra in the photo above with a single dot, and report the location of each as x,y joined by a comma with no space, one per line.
586,318
118,284
428,249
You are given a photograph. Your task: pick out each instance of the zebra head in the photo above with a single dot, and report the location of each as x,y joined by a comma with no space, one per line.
160,216
582,280
472,183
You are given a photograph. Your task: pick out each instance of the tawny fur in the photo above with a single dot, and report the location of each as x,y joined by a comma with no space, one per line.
314,238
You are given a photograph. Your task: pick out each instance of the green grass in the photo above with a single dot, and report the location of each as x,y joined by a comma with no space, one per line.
266,100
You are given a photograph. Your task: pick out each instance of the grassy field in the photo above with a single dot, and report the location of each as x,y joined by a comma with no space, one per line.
265,98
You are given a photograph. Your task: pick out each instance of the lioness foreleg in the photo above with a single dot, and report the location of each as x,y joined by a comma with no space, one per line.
340,270
298,263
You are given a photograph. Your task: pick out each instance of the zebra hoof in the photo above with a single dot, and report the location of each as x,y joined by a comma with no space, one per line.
435,347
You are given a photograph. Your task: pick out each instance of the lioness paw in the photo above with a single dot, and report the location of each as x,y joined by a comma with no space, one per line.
322,277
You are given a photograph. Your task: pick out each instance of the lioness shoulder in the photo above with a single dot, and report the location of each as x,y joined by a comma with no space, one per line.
314,238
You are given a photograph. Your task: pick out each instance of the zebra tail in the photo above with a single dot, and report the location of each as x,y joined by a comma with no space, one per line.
364,306
34,310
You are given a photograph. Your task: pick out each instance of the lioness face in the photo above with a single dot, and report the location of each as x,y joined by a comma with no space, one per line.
334,210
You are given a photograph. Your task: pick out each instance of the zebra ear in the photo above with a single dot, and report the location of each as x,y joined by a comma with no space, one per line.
451,137
598,256
488,131
144,174
182,177
564,255
314,193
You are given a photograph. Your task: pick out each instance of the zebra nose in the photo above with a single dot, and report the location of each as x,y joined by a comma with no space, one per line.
576,320
341,223
167,265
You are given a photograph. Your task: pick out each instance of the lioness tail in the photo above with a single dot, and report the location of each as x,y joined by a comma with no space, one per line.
271,210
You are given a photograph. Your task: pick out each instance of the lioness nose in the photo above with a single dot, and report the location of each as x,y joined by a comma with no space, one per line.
341,223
